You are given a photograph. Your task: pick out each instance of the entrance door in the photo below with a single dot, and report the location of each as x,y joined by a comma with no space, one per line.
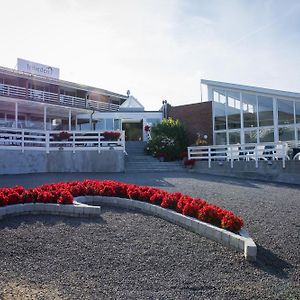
133,130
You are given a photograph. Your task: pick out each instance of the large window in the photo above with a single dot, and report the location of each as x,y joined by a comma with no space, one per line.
220,110
235,137
233,110
265,111
266,135
297,106
250,136
249,110
286,134
285,112
220,138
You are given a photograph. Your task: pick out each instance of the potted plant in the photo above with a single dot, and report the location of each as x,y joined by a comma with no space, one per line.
189,163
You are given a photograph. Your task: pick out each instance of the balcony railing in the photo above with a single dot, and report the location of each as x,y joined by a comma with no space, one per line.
241,152
32,140
53,98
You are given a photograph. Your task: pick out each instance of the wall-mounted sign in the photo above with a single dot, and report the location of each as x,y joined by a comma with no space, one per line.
37,69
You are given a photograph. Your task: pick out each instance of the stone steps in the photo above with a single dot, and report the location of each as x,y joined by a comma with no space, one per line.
137,161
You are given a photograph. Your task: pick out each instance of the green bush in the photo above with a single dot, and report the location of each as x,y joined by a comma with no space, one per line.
168,139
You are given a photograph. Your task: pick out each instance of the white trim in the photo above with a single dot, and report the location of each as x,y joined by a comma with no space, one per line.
219,84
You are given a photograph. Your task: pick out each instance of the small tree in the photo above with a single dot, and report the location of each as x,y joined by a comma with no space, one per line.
168,137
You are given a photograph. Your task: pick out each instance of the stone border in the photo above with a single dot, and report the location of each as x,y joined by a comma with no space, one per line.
72,210
241,242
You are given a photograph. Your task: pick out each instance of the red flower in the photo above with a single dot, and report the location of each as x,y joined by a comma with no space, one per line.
147,128
111,135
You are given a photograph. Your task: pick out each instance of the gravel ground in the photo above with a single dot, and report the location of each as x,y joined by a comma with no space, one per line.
128,255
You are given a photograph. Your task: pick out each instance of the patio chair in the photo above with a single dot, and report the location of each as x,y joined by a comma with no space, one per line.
260,153
281,151
233,153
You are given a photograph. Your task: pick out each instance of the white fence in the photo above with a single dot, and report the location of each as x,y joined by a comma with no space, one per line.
25,139
38,95
244,152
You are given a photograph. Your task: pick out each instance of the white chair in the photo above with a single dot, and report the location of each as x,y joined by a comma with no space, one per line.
281,151
260,149
233,153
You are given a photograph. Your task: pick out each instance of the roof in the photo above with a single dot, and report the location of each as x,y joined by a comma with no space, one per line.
250,88
59,82
132,104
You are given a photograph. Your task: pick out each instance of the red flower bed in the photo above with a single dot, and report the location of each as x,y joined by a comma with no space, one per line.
63,193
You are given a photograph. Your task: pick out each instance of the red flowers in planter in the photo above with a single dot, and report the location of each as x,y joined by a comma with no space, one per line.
63,193
189,162
147,128
111,135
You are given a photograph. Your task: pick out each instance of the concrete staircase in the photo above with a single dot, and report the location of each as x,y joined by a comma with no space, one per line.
137,161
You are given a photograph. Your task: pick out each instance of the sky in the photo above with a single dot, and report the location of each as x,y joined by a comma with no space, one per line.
157,49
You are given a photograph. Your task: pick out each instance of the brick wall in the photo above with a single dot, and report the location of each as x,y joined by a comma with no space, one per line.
197,118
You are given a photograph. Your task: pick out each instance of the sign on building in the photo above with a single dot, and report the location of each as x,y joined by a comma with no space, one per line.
37,69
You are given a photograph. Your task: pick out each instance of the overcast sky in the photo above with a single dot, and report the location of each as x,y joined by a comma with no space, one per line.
158,49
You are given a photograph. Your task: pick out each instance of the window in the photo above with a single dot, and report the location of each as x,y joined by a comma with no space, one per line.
234,137
117,124
297,106
109,124
233,110
220,138
285,112
265,111
250,136
266,135
249,110
100,125
286,134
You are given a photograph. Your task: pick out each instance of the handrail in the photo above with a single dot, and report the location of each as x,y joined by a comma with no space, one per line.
54,98
27,139
238,152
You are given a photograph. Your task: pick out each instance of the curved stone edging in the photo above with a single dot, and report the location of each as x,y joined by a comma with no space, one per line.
72,210
241,242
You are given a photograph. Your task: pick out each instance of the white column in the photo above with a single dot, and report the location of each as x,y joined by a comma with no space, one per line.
16,115
70,120
45,117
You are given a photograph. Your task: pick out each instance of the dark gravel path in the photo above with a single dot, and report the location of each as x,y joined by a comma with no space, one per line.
126,255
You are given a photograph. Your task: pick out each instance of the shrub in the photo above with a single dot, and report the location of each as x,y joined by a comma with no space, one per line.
169,137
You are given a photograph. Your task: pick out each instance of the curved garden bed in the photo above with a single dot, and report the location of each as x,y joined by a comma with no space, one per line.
194,214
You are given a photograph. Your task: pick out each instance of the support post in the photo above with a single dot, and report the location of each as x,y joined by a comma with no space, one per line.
70,120
45,117
16,115
47,142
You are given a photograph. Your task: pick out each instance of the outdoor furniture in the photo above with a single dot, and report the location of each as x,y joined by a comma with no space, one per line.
296,153
257,153
233,153
281,151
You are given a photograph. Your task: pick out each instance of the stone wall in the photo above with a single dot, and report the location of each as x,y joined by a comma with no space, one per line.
16,162
267,170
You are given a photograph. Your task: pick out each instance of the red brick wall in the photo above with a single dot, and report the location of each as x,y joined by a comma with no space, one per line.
197,118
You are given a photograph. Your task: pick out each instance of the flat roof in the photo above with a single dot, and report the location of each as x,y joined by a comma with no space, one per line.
59,82
250,88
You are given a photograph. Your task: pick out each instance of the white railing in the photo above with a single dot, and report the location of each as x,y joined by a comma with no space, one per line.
26,139
244,152
38,95
102,106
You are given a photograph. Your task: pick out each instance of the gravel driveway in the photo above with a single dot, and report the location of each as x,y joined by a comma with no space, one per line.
128,255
